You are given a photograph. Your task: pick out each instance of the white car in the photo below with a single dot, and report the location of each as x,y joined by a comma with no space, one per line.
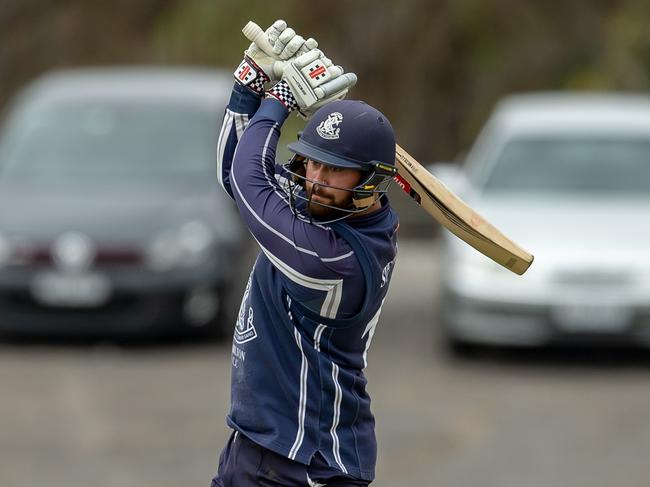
567,176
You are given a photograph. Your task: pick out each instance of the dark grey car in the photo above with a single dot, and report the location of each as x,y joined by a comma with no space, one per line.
111,219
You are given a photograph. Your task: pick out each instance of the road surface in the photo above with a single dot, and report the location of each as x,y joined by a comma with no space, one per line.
107,415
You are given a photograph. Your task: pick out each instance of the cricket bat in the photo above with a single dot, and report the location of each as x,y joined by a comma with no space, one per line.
437,200
456,216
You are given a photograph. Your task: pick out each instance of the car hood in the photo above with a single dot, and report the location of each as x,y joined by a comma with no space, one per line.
573,230
108,212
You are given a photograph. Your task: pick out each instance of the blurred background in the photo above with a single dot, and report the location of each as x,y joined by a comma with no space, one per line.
122,264
435,68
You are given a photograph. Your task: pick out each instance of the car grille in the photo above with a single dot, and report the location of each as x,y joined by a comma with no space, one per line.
594,278
104,257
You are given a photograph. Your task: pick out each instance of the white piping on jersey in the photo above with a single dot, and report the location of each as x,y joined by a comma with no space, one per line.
335,420
241,120
340,257
304,368
330,306
317,334
262,222
221,144
370,331
333,287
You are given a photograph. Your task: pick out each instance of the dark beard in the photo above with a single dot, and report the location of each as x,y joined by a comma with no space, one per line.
322,212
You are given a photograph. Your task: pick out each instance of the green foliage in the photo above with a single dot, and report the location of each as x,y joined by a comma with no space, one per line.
209,32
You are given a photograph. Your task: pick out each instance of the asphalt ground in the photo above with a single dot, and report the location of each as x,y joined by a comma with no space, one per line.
152,414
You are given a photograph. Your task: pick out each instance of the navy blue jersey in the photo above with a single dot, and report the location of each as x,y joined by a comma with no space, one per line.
310,307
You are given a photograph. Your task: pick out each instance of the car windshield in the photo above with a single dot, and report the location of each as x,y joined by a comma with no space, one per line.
567,165
112,140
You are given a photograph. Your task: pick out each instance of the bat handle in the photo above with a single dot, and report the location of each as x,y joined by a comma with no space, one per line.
254,33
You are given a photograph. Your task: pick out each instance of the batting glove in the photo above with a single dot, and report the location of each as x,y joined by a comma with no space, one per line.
258,68
313,81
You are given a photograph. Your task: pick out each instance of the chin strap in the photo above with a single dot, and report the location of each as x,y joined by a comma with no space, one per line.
364,203
363,196
366,194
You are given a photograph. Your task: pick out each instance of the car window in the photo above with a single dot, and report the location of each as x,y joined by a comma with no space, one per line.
618,165
110,140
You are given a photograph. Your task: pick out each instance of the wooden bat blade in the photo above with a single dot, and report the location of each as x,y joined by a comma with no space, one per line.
458,217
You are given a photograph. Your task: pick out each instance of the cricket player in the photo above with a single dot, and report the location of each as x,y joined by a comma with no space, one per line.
300,413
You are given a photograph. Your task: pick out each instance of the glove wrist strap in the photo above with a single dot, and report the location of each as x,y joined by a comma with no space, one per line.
281,91
249,74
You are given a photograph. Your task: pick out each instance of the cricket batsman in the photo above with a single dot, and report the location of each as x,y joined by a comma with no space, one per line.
300,413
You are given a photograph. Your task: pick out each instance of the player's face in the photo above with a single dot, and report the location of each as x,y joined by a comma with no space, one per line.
319,176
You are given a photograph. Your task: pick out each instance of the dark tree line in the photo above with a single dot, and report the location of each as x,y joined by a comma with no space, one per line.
434,67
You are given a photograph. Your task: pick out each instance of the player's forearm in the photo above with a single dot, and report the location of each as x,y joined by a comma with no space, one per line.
242,106
289,242
253,167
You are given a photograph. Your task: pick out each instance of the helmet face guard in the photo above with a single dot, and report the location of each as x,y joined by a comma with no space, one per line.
346,134
377,178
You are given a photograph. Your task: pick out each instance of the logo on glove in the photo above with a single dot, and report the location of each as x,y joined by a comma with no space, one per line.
245,73
326,129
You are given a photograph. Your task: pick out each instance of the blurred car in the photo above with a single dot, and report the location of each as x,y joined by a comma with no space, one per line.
567,176
111,218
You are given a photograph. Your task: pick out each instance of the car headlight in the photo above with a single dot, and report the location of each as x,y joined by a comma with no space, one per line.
186,246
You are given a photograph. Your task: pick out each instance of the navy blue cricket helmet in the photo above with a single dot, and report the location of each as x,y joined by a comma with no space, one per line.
349,134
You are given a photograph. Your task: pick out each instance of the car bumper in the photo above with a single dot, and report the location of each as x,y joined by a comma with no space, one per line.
135,302
499,322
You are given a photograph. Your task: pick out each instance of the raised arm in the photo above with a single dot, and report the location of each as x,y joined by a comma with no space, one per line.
255,71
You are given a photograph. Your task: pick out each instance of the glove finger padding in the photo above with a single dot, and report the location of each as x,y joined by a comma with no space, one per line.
338,83
313,80
275,30
306,113
308,57
292,47
336,89
283,39
309,45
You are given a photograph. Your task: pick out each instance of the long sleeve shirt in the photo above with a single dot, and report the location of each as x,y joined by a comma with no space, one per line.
310,307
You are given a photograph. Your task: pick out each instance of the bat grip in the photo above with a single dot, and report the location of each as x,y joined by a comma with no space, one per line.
254,33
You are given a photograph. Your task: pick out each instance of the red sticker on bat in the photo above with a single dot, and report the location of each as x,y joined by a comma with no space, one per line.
403,183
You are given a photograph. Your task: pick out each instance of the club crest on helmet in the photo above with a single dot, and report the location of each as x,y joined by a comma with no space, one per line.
328,129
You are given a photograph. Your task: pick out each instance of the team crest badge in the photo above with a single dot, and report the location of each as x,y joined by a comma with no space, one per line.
328,128
244,328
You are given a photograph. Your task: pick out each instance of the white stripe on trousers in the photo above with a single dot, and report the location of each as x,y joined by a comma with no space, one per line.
335,421
304,368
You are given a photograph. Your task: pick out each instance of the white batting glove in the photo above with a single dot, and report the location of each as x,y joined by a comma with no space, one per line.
311,81
258,67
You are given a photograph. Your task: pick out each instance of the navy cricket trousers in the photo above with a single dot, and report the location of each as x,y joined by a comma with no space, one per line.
244,463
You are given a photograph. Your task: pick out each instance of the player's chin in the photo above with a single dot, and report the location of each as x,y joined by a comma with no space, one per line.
322,212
